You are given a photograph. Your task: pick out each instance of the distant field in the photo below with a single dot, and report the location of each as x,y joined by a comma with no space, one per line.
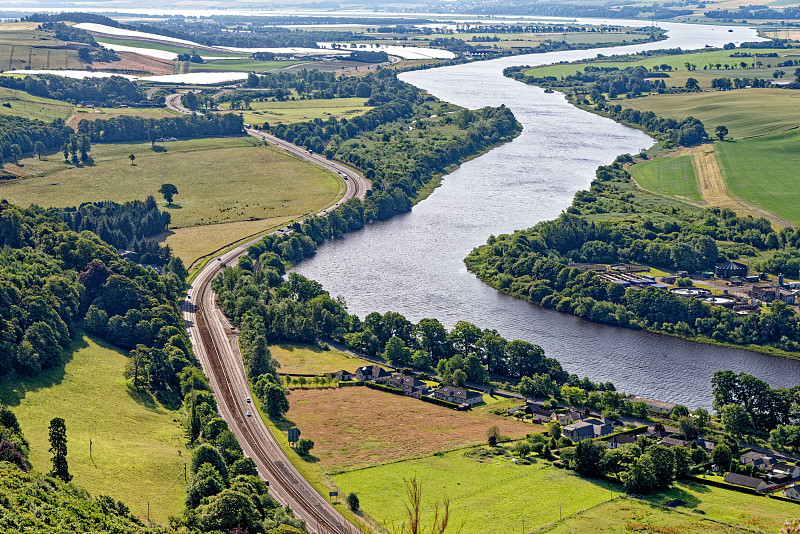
239,65
301,110
671,176
745,112
501,494
218,180
21,46
150,45
357,427
109,113
305,359
137,445
33,107
763,171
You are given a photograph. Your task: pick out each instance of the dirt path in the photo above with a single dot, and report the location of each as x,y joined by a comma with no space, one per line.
714,190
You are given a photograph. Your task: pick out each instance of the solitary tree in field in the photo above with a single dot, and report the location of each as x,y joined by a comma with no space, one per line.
58,446
692,85
168,191
492,435
39,147
352,501
721,132
131,157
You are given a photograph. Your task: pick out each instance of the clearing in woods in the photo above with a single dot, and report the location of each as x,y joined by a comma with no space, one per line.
312,360
138,450
357,427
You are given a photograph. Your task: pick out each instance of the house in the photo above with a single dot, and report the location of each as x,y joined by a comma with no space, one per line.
588,429
128,255
757,459
654,405
538,411
792,492
672,442
568,418
369,373
457,395
705,444
783,472
343,376
618,441
748,482
410,386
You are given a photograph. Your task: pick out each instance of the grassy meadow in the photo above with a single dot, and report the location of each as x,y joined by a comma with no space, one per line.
357,427
239,65
672,177
307,359
92,114
32,107
22,45
745,112
138,451
763,171
499,493
292,111
263,183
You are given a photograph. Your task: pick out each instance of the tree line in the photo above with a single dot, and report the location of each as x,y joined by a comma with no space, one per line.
134,128
533,264
110,92
20,135
133,225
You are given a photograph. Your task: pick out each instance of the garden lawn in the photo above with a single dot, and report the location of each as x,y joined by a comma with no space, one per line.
673,177
301,110
745,112
492,496
218,180
138,451
763,172
356,427
307,359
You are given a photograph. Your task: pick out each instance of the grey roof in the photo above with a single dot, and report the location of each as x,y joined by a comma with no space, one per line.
743,480
459,393
732,266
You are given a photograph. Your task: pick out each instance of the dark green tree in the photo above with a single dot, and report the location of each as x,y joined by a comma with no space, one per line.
58,447
721,132
352,501
168,191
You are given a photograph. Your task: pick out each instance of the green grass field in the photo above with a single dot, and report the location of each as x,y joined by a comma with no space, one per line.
306,359
218,180
501,494
138,451
301,110
239,65
33,107
673,177
763,171
109,113
22,45
745,112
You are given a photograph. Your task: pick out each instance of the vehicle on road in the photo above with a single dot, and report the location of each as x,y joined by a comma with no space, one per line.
249,414
248,400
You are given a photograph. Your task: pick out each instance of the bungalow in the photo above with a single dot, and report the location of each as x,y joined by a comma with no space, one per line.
538,411
783,472
587,429
757,459
618,441
568,418
705,444
343,376
457,395
411,386
673,442
371,373
655,405
748,482
792,492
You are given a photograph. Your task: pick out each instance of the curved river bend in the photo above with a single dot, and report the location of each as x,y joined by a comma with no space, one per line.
413,264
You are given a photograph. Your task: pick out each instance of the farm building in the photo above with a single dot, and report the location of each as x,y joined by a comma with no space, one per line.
748,482
730,269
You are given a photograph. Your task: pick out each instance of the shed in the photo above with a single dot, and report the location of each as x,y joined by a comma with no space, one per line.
730,269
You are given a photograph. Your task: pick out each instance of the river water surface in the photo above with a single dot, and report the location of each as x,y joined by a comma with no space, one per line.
413,264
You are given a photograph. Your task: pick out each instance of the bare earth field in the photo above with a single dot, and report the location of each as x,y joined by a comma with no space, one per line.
357,427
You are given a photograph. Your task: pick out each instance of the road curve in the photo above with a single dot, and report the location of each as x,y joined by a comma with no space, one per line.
215,342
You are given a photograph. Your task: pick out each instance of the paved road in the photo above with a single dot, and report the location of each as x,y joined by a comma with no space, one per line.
215,342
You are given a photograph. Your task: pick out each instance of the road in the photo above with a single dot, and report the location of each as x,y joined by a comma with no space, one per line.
215,342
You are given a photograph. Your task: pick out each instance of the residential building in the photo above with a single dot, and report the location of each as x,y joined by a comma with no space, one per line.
568,418
783,472
343,375
618,441
457,395
672,442
748,482
654,405
793,492
757,459
538,411
371,373
588,429
411,386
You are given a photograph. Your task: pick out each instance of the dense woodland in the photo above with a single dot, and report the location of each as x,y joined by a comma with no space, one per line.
134,128
110,92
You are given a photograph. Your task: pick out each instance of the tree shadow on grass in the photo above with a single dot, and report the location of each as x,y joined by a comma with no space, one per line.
15,387
159,149
174,206
143,397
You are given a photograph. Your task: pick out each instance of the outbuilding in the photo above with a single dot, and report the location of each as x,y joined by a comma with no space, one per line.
731,269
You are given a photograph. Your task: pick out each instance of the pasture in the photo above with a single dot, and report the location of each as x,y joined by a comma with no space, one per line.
763,172
137,445
23,46
499,493
239,65
92,114
308,359
25,105
219,180
745,112
357,427
292,111
669,176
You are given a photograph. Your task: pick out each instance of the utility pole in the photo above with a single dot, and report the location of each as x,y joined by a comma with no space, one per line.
90,448
184,472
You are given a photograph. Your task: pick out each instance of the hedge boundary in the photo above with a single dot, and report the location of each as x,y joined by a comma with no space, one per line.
440,402
350,383
724,485
381,387
782,498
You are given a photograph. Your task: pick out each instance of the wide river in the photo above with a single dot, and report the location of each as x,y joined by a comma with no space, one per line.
413,264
